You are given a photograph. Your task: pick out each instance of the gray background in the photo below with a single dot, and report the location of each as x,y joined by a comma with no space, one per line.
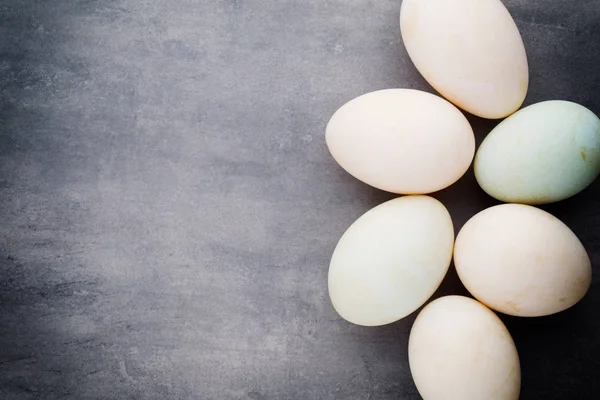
168,205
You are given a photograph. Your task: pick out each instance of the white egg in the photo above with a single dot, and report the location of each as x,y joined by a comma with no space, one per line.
470,51
391,260
522,261
544,153
460,350
402,141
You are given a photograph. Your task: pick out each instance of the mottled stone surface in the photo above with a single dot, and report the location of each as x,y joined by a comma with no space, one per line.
169,206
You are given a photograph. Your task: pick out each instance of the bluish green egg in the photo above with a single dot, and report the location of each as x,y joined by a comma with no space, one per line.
543,153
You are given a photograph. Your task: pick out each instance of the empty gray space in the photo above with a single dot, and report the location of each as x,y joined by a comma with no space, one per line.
168,205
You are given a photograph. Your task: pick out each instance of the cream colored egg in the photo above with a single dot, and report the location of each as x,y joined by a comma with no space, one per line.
391,260
470,51
459,349
543,153
402,141
522,261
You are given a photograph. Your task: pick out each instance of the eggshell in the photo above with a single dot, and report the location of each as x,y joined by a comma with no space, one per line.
543,153
522,261
459,349
402,141
391,260
468,50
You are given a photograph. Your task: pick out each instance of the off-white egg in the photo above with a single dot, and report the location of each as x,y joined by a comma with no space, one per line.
470,51
522,261
391,260
543,153
402,141
460,350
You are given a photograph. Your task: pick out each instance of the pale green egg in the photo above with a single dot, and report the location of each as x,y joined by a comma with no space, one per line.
543,153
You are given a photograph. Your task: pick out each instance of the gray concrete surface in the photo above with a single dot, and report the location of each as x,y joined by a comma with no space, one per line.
168,206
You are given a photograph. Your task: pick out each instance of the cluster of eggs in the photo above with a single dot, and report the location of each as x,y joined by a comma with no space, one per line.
513,258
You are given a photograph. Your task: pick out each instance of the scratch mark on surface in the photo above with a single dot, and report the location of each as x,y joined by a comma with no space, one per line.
340,385
123,370
15,360
78,342
369,375
545,25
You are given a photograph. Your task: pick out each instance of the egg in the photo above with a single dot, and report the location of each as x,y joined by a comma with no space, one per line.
401,140
459,349
470,51
391,260
544,153
522,261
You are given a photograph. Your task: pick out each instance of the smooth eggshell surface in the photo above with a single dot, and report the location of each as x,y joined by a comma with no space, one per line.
543,153
402,141
470,51
391,260
459,349
522,261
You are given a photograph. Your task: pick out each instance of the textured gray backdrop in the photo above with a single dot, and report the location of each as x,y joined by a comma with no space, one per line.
168,206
